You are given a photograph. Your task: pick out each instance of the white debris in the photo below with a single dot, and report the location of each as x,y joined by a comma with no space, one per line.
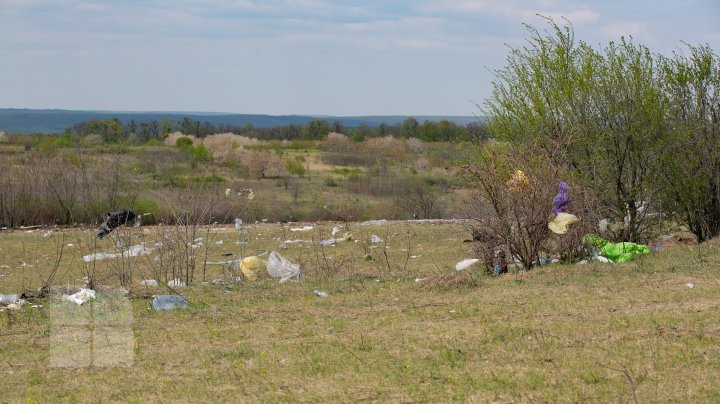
305,228
583,262
280,267
48,233
466,263
690,285
133,251
320,293
335,231
600,258
374,222
238,224
80,297
419,279
219,242
150,283
176,283
375,239
603,225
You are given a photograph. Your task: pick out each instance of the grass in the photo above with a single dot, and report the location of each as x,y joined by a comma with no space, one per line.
558,333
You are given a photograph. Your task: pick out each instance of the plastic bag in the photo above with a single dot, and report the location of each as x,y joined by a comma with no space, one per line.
616,252
251,266
559,225
280,267
466,263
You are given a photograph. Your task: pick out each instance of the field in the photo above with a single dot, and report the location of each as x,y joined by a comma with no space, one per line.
399,324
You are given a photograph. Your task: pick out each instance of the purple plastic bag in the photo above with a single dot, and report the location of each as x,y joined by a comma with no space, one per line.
561,200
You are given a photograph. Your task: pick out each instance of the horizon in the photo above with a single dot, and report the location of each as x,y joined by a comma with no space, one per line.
300,57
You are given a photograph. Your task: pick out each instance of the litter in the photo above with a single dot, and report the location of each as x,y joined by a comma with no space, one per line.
285,243
251,266
561,201
375,239
466,263
419,279
380,222
238,224
17,305
690,285
176,283
150,283
335,231
600,258
80,297
320,293
518,181
559,224
169,302
115,220
616,252
603,225
306,228
133,251
48,233
280,267
8,299
219,242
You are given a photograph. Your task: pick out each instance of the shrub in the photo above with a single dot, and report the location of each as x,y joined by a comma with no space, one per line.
512,215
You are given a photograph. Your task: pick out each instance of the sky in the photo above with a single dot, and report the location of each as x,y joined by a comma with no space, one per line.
311,57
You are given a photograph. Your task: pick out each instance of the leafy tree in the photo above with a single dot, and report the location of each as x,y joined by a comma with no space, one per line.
690,178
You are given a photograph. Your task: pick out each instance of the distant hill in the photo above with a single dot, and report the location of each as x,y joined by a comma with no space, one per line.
57,120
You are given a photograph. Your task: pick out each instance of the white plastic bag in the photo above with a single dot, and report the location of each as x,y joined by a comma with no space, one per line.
466,263
280,267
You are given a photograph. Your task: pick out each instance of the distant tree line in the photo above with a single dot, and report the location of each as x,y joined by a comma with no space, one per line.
115,131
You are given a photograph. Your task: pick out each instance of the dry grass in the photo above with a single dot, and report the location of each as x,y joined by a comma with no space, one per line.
558,333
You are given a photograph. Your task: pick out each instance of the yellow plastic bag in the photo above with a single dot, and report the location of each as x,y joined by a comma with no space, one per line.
252,266
559,225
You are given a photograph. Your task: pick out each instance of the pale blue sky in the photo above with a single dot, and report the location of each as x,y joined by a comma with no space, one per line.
323,57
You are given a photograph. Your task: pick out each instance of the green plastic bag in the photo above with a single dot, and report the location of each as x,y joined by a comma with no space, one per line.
616,252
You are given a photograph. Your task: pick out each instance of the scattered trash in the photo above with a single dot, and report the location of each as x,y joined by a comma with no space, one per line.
583,262
380,222
561,201
280,267
9,299
48,233
133,251
600,258
412,257
335,231
169,302
115,220
616,252
603,225
690,285
149,283
285,243
466,263
320,293
176,283
560,223
251,266
419,279
17,305
518,181
306,228
238,224
375,239
80,297
219,242
330,241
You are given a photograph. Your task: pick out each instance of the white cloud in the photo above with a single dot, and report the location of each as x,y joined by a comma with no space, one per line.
636,29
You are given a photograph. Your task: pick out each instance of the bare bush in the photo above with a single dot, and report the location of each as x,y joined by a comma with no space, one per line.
337,142
226,147
514,203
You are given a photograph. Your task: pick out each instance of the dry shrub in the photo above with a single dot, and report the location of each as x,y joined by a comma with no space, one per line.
226,147
415,145
386,146
172,138
4,137
512,213
338,143
265,165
